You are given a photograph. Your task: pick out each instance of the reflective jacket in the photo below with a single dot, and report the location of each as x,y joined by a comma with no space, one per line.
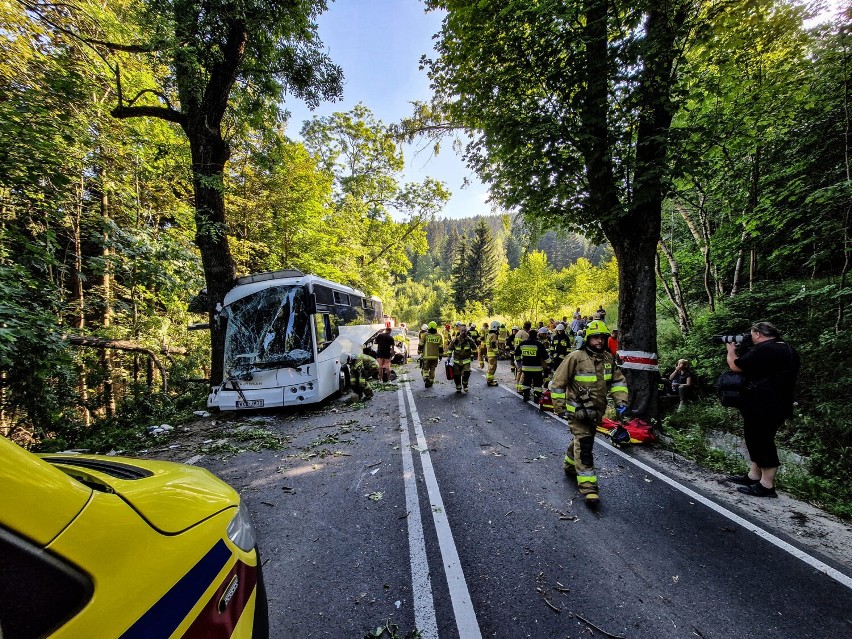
433,345
532,355
491,344
502,334
448,337
586,375
474,335
364,366
560,346
462,348
421,338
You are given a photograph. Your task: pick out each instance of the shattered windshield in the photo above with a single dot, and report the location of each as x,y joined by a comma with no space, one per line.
268,329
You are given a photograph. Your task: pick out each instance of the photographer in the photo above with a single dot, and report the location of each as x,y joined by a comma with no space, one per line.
770,368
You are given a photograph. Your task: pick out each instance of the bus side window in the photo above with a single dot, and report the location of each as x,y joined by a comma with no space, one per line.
325,331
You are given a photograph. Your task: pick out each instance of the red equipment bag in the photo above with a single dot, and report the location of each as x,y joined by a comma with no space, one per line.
641,432
546,401
449,368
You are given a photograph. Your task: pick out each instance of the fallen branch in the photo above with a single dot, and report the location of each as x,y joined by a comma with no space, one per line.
601,630
121,345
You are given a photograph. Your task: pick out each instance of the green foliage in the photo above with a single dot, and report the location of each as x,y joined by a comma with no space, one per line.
820,430
364,163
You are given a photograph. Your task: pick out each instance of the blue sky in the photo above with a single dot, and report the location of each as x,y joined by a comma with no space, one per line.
379,43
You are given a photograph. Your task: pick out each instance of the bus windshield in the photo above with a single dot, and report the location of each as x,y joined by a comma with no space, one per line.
268,329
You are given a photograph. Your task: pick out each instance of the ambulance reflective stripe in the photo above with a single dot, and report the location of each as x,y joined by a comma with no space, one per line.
163,618
585,378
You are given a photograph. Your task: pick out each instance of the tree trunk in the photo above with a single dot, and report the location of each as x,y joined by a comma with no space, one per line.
77,294
635,235
701,234
209,155
109,390
676,292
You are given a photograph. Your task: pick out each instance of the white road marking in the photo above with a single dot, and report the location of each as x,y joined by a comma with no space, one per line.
466,622
760,532
810,560
421,584
194,459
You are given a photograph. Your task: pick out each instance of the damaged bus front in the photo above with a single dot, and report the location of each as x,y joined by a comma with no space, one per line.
288,338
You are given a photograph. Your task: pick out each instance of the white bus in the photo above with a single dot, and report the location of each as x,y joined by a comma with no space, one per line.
288,339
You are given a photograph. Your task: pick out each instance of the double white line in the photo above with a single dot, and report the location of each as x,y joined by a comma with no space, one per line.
424,606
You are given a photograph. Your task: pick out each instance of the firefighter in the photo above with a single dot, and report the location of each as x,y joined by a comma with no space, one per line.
521,336
510,347
474,335
421,339
433,350
447,334
420,336
502,335
579,390
363,368
534,361
482,353
560,346
462,349
492,347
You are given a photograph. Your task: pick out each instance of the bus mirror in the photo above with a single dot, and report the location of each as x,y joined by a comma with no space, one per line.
312,303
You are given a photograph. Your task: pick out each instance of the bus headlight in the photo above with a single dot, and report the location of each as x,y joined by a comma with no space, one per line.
240,530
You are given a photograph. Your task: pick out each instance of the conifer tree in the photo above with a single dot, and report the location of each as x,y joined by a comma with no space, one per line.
459,276
482,265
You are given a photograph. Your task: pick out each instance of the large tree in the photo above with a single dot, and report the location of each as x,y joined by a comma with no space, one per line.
215,60
571,103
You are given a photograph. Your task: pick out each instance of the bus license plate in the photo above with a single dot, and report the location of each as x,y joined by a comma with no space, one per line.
250,403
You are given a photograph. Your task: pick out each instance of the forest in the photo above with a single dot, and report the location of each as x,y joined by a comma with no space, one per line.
686,164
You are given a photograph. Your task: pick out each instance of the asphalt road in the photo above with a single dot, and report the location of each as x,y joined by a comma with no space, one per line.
451,514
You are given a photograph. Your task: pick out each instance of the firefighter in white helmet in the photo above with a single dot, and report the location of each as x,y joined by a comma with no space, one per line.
579,390
492,348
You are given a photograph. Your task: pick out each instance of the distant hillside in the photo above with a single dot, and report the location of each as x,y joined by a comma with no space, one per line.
513,239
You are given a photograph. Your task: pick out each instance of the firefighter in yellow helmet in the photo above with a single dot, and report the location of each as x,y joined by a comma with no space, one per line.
462,349
433,350
579,390
492,347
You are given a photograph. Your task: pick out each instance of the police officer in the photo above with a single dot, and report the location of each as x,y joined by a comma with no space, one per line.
433,350
579,390
462,348
534,362
492,346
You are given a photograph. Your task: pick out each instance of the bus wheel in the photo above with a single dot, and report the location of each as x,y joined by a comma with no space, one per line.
343,382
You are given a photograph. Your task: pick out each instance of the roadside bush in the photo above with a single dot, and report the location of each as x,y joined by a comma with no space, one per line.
820,431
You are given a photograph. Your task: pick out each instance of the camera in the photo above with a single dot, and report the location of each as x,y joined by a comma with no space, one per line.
743,341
